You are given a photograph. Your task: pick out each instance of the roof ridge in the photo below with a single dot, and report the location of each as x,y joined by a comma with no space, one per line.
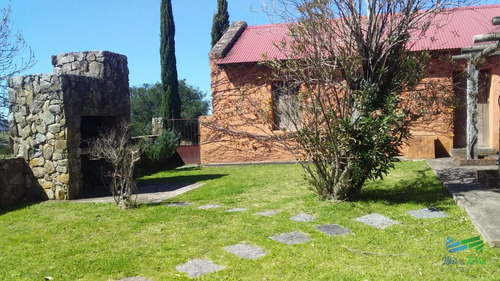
454,28
480,7
267,25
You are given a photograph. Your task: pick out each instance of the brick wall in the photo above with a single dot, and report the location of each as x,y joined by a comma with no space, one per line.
220,142
225,136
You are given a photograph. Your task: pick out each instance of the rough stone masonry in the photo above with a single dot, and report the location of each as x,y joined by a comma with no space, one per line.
48,112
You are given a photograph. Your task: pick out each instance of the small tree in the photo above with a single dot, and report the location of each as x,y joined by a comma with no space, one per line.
358,84
171,102
12,45
116,148
220,22
345,89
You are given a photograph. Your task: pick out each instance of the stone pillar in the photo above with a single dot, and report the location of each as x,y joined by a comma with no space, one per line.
158,125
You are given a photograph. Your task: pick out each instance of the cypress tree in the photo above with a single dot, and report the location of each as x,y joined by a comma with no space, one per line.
220,22
171,101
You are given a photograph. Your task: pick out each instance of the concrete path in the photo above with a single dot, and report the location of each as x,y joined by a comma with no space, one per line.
481,204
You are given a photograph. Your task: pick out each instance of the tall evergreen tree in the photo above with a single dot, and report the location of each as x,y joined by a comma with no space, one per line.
171,102
221,21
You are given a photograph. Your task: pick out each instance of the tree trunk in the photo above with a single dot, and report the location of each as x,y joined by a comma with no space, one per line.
472,94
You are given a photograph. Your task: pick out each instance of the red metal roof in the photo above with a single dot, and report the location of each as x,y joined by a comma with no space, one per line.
455,29
256,42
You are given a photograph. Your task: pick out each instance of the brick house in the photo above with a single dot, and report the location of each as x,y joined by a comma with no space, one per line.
235,70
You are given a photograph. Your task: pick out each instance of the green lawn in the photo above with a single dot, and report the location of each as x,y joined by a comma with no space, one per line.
100,242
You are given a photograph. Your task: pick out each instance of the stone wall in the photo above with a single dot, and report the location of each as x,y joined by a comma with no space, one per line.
46,113
17,183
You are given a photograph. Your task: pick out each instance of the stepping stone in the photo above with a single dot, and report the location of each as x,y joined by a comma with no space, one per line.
269,213
302,217
179,204
237,210
135,278
333,229
377,220
427,213
290,238
246,251
206,207
198,267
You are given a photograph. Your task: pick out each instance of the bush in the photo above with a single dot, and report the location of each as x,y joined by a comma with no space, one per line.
162,148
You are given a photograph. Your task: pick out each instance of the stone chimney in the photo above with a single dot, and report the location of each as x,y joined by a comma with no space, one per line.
50,114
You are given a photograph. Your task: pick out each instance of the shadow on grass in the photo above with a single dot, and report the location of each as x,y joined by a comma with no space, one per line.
182,179
19,206
423,189
164,184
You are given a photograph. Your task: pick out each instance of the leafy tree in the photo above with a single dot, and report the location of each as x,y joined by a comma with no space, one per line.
220,22
12,45
193,103
171,102
144,105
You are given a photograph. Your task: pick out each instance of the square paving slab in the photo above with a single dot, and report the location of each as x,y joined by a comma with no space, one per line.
135,278
377,220
246,251
269,213
179,204
333,229
206,207
302,217
237,210
428,213
198,267
295,237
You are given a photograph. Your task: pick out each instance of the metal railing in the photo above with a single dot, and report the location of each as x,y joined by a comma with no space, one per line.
188,129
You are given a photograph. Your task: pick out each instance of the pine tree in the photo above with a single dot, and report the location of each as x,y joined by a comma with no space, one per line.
171,102
220,22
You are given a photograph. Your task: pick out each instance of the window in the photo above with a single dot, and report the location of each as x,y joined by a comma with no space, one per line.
286,106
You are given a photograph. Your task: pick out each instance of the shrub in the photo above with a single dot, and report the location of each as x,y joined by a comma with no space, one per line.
162,148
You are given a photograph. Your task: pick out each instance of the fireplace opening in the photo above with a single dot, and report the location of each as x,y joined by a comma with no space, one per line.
94,172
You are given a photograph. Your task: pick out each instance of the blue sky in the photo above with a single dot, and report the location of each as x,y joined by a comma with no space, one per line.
128,27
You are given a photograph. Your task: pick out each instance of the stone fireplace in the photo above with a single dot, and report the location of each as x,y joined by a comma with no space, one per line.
51,114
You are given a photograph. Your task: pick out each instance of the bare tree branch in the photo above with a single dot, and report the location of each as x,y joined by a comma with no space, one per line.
115,147
12,61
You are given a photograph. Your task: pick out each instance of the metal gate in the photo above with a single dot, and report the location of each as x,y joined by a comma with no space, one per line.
189,130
